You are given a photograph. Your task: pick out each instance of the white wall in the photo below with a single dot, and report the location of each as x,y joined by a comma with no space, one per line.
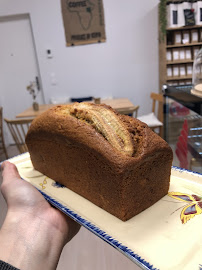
126,65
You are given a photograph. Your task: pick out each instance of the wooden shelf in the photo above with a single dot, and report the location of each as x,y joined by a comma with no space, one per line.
179,78
184,45
185,28
179,62
167,45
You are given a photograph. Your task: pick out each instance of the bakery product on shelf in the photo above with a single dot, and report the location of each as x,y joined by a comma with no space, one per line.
113,160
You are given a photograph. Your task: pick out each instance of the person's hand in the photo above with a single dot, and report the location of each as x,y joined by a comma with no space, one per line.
36,230
25,200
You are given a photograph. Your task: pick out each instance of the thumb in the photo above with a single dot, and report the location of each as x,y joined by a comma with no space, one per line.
9,172
10,177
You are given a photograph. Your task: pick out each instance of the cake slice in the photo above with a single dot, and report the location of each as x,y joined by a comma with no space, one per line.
115,161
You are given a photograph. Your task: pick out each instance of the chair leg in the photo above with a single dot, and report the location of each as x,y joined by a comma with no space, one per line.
5,151
3,147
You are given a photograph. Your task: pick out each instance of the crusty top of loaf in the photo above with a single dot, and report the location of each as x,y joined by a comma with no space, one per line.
120,138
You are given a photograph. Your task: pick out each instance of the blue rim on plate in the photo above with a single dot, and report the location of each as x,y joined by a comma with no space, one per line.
103,235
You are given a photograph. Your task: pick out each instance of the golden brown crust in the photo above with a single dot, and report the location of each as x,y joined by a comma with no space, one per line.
55,121
75,153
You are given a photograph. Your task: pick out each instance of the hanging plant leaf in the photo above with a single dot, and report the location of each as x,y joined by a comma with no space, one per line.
162,19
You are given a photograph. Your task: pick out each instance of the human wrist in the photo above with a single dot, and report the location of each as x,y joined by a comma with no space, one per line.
29,242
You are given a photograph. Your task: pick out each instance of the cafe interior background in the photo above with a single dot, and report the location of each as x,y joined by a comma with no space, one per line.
126,65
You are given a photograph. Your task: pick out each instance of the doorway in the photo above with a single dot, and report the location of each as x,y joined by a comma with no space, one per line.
18,66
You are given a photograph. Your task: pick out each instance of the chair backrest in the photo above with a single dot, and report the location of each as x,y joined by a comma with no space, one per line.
157,109
18,130
2,144
157,105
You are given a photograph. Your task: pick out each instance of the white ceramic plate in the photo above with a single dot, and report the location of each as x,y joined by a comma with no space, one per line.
166,236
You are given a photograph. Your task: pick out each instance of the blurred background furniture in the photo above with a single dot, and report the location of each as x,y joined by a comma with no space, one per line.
81,99
183,95
181,148
18,130
2,143
122,105
155,119
31,113
195,147
178,49
183,132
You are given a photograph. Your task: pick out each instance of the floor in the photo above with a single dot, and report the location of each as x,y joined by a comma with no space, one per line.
86,251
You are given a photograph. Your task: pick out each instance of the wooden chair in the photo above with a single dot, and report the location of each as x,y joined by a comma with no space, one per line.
2,143
18,130
155,119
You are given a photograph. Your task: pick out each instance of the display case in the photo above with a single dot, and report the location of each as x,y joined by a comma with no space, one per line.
197,75
183,132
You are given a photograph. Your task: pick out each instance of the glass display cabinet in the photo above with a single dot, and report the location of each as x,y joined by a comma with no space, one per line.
197,75
183,132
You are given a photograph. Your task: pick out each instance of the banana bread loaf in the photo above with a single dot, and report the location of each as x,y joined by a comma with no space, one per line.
113,160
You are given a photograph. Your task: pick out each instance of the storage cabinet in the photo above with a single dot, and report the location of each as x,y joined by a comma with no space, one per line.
177,53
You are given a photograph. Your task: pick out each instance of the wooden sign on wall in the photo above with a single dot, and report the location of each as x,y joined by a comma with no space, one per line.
83,21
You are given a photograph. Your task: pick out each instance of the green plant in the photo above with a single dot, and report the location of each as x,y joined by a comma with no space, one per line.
162,19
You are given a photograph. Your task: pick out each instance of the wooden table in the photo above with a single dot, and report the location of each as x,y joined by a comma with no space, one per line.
122,105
